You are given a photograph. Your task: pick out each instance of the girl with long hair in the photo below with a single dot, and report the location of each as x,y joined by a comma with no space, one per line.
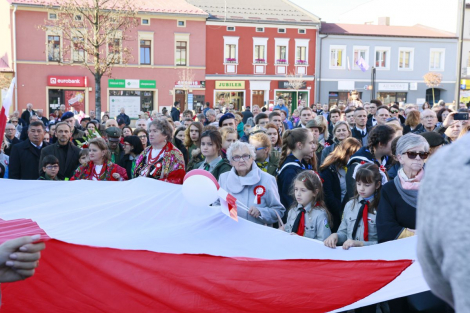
192,142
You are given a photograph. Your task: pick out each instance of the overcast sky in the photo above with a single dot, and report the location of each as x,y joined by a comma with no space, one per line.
441,14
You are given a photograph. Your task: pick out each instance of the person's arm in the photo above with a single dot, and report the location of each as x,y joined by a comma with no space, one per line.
273,203
350,181
332,203
14,168
322,226
387,224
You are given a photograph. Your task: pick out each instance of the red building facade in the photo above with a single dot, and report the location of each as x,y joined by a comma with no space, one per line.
250,52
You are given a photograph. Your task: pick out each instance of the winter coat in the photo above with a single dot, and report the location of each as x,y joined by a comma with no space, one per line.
67,165
24,161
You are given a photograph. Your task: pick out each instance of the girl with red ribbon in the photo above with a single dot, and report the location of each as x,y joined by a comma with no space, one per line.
358,227
308,216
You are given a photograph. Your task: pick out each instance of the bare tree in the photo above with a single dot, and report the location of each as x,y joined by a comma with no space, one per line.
186,78
433,80
93,33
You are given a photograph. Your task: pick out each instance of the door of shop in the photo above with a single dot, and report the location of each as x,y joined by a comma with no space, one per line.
180,96
258,98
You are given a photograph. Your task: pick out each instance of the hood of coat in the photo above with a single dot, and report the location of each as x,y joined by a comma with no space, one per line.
236,183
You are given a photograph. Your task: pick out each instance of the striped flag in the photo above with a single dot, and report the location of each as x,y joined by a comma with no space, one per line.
5,109
138,246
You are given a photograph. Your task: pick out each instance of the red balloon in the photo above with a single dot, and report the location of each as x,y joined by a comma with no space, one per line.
203,173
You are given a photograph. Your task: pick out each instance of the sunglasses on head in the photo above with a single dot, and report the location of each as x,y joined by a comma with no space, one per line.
413,155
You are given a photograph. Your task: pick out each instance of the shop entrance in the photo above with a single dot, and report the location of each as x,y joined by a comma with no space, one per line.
391,97
234,98
258,98
71,98
293,98
180,96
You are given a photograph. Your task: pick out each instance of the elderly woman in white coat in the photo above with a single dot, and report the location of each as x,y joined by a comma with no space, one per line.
251,186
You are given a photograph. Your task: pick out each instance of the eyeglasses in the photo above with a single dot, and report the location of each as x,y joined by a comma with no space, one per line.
413,155
258,149
245,157
393,111
52,167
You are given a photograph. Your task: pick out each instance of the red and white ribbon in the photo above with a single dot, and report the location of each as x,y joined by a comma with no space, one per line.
259,191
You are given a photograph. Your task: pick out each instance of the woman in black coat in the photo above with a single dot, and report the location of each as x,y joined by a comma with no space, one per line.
333,173
132,148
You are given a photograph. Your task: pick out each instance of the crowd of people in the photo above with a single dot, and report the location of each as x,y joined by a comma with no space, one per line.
347,175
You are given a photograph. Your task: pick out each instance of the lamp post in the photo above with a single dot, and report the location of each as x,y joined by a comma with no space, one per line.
372,82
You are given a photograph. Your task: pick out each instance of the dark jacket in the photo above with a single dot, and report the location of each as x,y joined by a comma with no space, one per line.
118,154
393,214
369,123
24,161
393,171
175,114
125,118
357,134
13,142
44,120
420,129
26,115
68,165
332,194
221,167
285,177
77,135
126,162
362,154
246,115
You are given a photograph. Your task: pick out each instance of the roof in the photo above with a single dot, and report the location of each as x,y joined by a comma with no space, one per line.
259,11
4,67
152,6
420,31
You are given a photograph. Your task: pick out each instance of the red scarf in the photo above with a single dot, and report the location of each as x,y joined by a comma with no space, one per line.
364,220
299,224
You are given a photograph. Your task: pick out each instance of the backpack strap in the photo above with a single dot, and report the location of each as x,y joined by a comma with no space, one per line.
286,165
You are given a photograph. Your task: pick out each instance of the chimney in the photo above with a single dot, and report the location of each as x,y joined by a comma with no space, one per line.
384,21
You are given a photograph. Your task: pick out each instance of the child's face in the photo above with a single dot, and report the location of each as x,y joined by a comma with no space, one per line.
231,138
303,196
366,190
84,159
51,170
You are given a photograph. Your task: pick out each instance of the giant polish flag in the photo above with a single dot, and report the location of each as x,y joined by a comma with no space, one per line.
138,246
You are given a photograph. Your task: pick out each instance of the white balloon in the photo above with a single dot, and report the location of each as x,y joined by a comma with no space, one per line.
199,190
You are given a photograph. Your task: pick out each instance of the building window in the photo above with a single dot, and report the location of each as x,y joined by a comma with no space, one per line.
302,31
260,29
78,50
405,59
281,54
358,53
260,54
230,28
281,30
382,58
181,23
145,21
230,53
52,16
114,50
436,62
53,43
337,56
301,55
145,52
181,52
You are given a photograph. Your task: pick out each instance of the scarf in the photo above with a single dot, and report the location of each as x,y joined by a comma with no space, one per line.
299,223
410,196
362,215
263,166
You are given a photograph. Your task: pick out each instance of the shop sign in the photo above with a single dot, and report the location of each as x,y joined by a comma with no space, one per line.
284,84
393,86
190,101
190,84
67,81
230,84
132,83
464,83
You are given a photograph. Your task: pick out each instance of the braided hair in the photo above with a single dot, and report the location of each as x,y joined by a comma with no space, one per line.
290,139
380,134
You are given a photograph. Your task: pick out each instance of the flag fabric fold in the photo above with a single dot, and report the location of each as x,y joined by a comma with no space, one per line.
6,104
362,64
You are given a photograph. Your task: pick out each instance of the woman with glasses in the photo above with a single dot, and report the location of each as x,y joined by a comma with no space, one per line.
395,112
396,213
143,136
254,189
161,160
211,145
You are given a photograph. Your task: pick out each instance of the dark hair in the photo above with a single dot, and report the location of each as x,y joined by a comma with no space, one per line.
122,130
383,107
188,112
395,107
49,160
349,110
83,152
380,134
273,114
260,116
38,123
106,116
140,130
440,112
176,103
377,102
135,142
335,111
369,174
289,140
360,109
312,182
208,104
394,145
215,137
305,108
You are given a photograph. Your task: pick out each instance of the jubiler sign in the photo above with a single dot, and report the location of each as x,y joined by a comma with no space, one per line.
229,85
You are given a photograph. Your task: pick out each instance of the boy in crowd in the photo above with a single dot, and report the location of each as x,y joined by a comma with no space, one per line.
50,167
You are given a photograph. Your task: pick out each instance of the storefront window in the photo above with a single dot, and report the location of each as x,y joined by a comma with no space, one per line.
236,98
133,101
71,98
391,97
293,98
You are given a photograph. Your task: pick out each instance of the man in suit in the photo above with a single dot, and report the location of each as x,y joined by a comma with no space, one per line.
64,151
306,114
44,120
371,119
24,156
360,131
26,115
